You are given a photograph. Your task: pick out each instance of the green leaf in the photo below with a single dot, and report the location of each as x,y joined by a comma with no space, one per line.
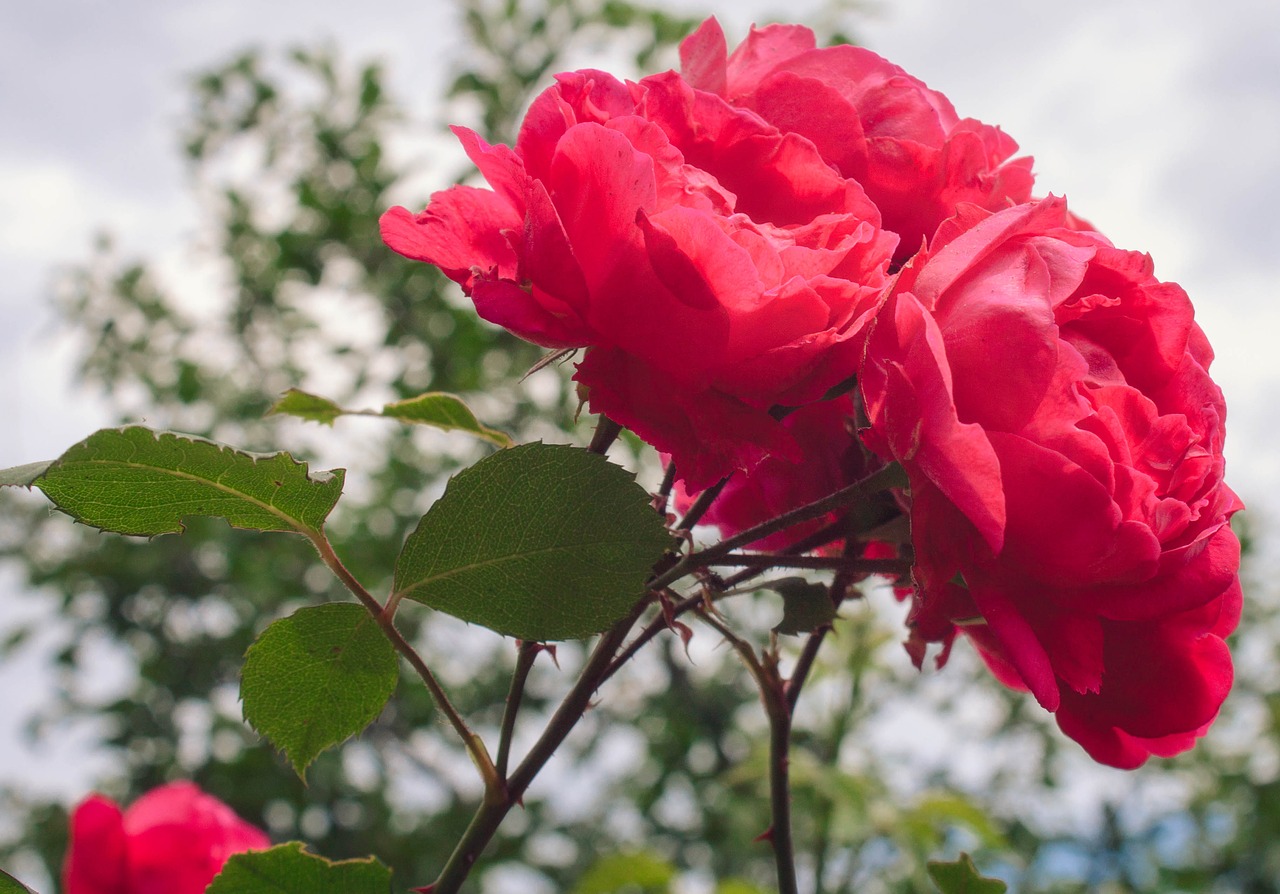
444,411
291,869
961,877
10,885
135,481
539,542
437,409
317,677
306,406
806,606
639,872
23,476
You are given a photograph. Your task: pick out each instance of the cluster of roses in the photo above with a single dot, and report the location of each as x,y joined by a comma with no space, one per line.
731,243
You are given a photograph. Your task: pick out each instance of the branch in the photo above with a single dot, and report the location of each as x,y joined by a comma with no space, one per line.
491,812
701,505
664,490
772,694
886,477
474,744
853,566
525,657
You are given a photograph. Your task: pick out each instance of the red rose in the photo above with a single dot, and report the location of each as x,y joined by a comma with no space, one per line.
714,265
1051,402
173,840
915,157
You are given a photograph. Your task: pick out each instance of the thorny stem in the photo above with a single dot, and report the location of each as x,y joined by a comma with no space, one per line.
889,476
822,537
777,709
855,566
606,433
837,530
701,505
652,629
664,491
525,657
474,744
780,781
755,565
491,812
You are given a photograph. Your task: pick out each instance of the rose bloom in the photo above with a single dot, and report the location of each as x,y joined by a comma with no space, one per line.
172,840
714,265
904,143
1050,401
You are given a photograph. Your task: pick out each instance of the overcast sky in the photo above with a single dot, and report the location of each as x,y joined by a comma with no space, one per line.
1160,123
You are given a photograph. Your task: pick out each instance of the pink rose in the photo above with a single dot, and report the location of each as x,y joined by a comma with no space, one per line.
714,265
915,157
173,840
1050,401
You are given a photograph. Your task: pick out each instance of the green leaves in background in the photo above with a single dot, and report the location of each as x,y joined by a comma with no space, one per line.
641,873
136,481
10,885
539,542
437,409
290,869
806,606
317,677
961,877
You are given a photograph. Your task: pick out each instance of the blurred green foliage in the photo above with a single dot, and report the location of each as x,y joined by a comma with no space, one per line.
290,160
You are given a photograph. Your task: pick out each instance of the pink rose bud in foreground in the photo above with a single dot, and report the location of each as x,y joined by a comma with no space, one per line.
1050,400
172,840
713,264
904,143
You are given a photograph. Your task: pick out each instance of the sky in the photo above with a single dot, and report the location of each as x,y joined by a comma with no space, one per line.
1163,129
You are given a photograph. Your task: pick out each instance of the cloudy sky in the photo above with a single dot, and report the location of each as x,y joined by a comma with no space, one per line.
1162,128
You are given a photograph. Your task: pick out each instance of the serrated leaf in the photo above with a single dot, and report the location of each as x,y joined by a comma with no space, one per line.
806,606
291,869
317,677
136,481
23,476
10,885
306,406
444,411
539,542
961,877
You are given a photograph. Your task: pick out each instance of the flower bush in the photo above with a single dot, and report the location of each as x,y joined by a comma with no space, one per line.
172,840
